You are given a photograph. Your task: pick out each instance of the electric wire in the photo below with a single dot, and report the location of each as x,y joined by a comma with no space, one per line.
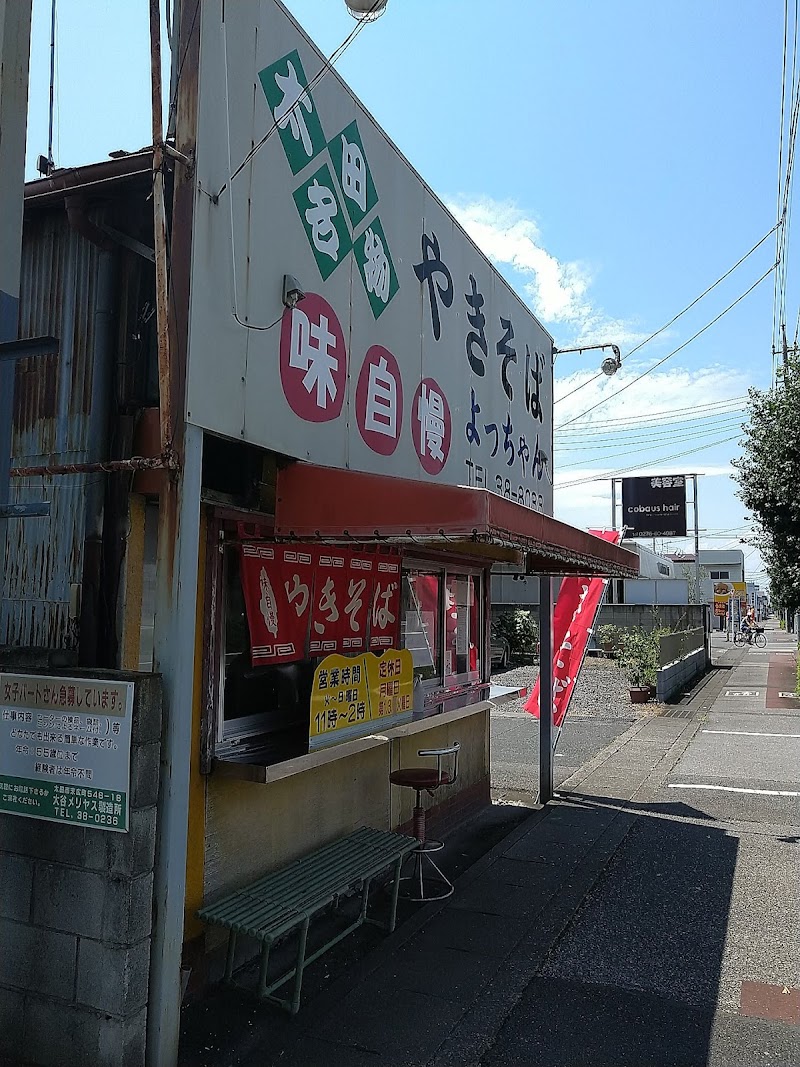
675,318
674,352
174,101
649,463
657,416
327,66
653,439
570,437
52,83
786,199
780,181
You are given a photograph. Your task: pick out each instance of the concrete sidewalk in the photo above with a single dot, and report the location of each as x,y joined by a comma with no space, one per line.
648,916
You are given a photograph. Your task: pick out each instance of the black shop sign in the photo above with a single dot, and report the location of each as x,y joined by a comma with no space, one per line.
654,506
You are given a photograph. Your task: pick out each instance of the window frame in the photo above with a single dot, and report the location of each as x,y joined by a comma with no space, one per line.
231,731
219,738
442,682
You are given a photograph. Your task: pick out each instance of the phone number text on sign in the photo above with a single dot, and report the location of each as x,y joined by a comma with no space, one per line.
65,749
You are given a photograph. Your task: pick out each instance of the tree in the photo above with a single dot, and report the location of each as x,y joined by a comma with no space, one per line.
768,473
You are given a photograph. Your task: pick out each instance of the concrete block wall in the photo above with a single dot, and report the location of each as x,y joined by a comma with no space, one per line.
679,675
680,616
76,919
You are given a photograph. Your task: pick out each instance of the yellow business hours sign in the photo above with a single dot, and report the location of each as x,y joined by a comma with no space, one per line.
357,695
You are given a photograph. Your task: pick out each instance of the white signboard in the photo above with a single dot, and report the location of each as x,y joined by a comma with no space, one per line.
65,749
409,354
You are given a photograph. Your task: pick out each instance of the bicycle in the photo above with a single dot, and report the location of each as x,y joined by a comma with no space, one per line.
757,638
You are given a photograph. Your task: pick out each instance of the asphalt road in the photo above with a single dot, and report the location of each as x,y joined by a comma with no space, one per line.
515,750
686,953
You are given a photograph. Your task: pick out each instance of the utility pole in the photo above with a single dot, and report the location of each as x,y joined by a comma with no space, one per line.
15,47
785,347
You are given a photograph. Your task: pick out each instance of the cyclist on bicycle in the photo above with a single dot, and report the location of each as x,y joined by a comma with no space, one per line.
746,628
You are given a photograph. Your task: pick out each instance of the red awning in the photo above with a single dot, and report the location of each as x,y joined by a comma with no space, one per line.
342,505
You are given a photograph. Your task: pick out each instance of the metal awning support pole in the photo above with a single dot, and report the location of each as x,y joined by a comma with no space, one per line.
545,689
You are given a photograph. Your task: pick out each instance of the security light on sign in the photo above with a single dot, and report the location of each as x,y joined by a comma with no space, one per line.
366,9
293,292
609,366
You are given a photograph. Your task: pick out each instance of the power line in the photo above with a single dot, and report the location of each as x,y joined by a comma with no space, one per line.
327,66
574,437
675,351
650,463
656,416
780,182
654,439
785,207
654,442
174,101
675,318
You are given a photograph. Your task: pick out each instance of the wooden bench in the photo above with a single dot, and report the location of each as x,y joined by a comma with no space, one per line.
287,900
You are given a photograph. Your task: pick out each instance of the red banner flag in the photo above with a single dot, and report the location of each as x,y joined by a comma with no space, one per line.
277,582
573,619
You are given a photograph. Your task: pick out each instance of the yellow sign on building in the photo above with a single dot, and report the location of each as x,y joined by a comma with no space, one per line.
357,695
725,592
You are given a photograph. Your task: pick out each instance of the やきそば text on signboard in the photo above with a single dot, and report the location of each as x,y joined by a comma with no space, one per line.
305,601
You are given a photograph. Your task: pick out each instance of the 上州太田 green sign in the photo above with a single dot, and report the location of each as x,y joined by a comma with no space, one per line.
65,746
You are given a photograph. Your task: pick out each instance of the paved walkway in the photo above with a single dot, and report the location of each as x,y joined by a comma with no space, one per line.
650,916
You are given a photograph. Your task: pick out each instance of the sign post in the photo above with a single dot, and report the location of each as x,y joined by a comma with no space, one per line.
546,687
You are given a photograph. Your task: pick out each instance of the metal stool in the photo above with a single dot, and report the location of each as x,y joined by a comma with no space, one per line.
418,886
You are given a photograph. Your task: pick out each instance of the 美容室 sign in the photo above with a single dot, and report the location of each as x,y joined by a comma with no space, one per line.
654,506
357,695
65,750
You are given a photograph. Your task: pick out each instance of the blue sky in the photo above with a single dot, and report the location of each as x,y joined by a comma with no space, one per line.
612,159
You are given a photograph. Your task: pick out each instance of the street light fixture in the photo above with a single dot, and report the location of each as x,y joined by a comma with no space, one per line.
366,9
609,366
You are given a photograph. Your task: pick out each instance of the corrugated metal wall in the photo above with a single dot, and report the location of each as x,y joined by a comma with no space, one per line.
53,423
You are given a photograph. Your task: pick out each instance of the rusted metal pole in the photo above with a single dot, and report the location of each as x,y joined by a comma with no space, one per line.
137,463
160,234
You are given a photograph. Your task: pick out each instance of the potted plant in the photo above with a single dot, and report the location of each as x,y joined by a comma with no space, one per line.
639,661
608,637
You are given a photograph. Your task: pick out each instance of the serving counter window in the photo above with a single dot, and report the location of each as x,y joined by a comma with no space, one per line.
317,645
441,624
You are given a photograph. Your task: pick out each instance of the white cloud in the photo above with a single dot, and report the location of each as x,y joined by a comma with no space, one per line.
558,291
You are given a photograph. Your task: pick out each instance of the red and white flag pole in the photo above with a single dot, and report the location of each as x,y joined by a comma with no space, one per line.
574,616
